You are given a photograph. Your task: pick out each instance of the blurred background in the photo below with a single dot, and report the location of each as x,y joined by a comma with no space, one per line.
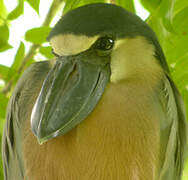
25,24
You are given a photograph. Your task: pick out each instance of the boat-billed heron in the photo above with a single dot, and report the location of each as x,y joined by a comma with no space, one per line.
105,109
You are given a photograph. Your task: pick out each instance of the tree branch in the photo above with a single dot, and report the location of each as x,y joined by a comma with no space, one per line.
113,1
56,4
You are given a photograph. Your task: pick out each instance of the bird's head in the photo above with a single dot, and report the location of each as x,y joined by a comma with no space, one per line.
95,45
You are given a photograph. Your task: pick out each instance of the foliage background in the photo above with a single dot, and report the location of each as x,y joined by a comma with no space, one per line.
168,18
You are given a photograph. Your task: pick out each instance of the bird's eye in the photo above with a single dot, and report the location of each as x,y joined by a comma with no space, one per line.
104,43
55,53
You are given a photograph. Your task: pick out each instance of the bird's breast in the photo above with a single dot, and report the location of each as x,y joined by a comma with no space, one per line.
119,140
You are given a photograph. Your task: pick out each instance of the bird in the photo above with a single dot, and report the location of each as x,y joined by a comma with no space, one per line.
104,108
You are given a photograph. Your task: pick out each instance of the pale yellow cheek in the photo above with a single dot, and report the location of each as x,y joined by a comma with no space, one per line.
134,58
118,66
69,44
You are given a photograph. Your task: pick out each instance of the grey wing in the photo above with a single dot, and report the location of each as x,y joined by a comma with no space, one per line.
17,111
174,130
11,161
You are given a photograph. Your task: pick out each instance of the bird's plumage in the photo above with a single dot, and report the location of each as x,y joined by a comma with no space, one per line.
110,20
13,137
15,150
137,131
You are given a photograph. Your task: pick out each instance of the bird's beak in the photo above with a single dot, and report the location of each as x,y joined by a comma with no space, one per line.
70,92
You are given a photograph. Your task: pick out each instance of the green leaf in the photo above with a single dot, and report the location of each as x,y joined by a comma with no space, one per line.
180,73
3,105
181,82
37,35
176,47
34,4
165,11
28,63
128,4
150,5
5,47
3,71
157,26
162,9
3,12
4,35
18,57
179,5
185,172
72,4
180,22
46,51
17,11
17,62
